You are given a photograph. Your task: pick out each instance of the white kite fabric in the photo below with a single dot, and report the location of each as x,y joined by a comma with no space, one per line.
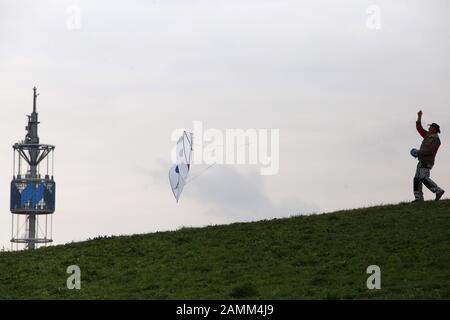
179,172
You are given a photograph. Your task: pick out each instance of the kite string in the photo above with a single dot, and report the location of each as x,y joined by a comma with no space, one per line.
198,144
200,173
211,165
193,143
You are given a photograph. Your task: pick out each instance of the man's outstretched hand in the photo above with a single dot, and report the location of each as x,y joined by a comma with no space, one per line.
419,115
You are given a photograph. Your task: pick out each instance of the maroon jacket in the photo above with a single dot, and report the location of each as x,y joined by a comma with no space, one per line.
430,145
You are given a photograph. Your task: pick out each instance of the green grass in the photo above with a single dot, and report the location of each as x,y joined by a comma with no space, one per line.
303,257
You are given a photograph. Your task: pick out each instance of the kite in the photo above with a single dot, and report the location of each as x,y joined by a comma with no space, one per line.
179,172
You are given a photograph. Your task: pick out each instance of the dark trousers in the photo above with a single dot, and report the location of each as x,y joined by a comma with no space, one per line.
422,177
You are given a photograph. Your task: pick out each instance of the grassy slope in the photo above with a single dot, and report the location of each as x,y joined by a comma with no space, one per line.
322,256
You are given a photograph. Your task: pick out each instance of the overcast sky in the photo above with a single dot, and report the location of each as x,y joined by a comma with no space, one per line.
117,80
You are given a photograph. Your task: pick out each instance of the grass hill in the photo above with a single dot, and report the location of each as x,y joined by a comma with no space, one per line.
302,257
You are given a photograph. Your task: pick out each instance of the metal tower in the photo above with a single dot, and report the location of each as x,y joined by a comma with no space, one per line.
32,195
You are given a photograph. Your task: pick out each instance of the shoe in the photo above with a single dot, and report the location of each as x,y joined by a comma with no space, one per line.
439,195
417,200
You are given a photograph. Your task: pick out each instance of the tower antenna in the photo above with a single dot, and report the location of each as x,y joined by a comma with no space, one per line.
32,195
35,94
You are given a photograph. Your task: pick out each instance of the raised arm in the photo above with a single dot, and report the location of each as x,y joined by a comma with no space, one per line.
419,127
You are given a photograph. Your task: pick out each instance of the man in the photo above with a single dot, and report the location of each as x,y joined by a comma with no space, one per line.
426,155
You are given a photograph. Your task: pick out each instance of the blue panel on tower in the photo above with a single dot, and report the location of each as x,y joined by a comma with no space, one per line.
36,196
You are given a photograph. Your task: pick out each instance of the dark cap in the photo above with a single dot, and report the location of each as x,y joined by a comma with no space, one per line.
435,125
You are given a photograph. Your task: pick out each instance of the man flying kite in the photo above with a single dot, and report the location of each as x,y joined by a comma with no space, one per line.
426,155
